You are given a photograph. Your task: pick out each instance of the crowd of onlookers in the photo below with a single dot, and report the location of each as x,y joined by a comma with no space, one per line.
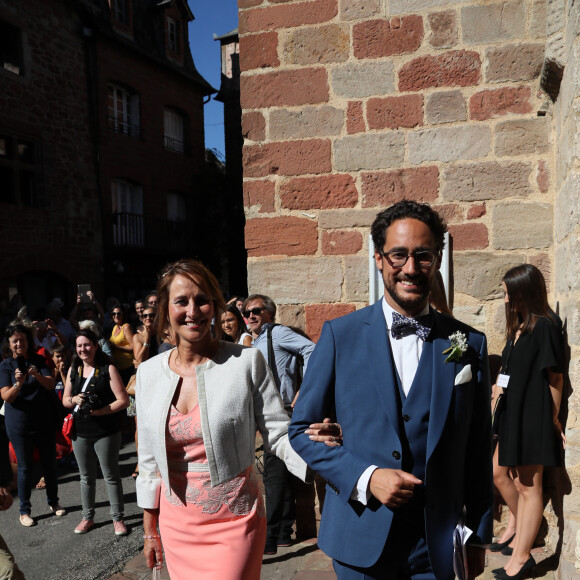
48,410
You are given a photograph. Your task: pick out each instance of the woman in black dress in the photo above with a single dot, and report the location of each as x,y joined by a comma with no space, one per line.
530,433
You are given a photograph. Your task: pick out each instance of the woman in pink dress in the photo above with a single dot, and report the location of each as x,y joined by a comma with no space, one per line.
199,406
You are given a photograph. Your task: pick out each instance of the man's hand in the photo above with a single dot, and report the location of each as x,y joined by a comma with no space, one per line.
393,487
327,432
475,561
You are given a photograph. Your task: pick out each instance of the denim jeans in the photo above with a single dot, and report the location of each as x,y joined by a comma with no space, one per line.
106,450
24,444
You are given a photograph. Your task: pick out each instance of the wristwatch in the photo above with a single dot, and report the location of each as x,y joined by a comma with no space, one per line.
16,386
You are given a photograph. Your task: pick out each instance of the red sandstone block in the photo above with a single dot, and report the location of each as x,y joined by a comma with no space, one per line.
284,88
259,51
323,192
253,126
386,188
494,103
469,236
259,193
341,242
287,15
450,212
317,314
456,68
476,211
395,112
543,176
287,236
249,3
355,122
378,38
287,158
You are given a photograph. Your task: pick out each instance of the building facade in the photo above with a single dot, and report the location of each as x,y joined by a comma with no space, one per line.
472,106
101,145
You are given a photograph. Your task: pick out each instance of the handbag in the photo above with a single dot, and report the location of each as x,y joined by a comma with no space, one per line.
130,388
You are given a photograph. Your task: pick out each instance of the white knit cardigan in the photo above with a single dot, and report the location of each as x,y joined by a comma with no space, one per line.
237,394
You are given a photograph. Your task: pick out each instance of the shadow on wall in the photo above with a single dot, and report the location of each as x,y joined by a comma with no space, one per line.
556,481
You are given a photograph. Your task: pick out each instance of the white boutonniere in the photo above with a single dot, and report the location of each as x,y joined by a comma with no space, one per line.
458,346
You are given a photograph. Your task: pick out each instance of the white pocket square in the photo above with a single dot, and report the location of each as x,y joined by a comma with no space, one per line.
464,375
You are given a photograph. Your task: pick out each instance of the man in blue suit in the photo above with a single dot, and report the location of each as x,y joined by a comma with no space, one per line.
410,388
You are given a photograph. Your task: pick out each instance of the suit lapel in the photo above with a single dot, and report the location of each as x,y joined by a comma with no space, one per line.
381,371
442,386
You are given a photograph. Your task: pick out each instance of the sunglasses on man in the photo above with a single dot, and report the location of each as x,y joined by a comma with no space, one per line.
254,311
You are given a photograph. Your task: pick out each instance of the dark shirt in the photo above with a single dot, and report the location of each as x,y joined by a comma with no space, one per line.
31,410
87,425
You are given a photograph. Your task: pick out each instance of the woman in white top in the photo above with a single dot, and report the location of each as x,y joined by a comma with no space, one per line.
234,326
198,407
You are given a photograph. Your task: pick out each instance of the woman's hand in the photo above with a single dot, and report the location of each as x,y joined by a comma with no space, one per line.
326,432
77,400
33,371
19,377
153,552
5,499
560,430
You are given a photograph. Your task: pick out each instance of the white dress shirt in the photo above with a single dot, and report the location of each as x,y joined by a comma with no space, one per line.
406,354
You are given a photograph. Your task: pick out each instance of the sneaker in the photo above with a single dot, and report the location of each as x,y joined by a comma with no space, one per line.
270,548
120,528
84,526
58,510
27,521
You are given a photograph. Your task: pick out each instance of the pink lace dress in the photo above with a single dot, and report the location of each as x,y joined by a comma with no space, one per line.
208,533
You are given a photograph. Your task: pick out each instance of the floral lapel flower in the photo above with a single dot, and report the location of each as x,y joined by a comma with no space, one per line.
458,347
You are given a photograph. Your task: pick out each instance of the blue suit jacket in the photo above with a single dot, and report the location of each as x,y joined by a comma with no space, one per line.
351,376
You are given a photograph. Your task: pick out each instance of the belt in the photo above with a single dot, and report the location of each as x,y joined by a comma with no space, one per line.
188,466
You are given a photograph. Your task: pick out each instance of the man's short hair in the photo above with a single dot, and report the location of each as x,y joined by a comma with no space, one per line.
407,209
269,304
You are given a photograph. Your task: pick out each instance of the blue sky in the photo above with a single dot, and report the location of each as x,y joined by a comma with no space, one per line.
219,17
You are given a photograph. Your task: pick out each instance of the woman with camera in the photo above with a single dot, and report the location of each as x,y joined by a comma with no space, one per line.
95,392
27,391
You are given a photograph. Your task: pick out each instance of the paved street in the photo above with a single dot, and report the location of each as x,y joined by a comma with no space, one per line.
52,551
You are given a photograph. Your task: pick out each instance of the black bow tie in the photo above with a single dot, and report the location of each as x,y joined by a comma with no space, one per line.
403,325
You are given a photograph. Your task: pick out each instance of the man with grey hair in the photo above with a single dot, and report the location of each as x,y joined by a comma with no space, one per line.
282,348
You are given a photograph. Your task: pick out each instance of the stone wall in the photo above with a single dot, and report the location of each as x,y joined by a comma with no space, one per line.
563,44
351,105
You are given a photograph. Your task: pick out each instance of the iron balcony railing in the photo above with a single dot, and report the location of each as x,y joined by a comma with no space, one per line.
119,126
156,235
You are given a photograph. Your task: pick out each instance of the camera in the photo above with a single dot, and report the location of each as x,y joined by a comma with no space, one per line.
90,402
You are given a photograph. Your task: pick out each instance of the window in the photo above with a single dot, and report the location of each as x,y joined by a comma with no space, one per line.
123,111
11,48
172,36
127,201
174,131
176,207
120,10
19,170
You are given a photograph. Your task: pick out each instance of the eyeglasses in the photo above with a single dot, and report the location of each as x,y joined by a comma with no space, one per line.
398,258
254,311
152,316
116,313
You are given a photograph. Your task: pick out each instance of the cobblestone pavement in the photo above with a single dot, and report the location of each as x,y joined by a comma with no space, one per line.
305,561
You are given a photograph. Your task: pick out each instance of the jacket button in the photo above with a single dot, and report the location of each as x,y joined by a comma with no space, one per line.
396,455
406,418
